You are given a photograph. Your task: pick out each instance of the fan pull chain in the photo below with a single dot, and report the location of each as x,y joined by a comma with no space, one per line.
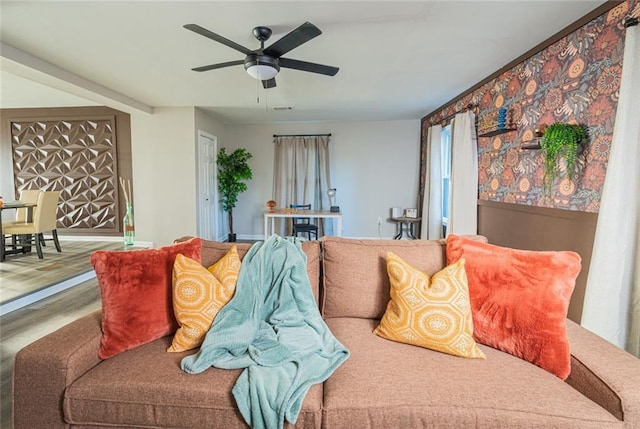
258,84
257,91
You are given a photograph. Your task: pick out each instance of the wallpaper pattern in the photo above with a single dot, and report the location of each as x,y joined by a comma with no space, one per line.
575,80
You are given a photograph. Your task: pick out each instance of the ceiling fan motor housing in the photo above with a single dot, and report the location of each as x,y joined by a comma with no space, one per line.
253,60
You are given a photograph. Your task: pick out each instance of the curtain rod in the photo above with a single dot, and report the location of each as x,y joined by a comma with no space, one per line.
302,135
470,106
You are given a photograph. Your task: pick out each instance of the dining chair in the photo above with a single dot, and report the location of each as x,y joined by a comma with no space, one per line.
44,220
303,225
22,214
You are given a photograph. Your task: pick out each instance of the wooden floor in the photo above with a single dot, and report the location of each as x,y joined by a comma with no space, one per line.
24,274
28,324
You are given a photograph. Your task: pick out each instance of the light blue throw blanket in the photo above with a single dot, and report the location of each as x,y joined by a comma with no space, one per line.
271,327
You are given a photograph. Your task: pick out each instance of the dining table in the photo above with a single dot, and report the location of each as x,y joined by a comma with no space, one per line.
271,216
9,205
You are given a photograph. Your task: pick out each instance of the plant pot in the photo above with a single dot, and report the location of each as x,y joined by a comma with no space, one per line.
231,238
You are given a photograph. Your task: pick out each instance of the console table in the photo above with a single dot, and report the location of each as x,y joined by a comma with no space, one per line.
405,223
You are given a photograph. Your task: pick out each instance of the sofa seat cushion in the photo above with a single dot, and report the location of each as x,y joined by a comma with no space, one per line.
386,384
145,387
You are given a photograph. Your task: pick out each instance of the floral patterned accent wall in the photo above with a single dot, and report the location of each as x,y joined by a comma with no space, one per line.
574,80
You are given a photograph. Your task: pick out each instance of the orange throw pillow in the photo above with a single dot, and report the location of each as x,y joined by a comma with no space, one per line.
520,299
135,287
199,293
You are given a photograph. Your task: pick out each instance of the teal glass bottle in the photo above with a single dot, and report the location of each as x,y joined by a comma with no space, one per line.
128,224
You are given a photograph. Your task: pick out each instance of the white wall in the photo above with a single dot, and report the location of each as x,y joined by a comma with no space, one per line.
163,147
209,124
163,158
375,166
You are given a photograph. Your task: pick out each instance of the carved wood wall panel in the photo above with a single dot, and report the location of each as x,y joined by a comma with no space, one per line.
77,157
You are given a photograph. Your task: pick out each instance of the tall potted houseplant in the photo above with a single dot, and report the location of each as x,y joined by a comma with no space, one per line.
233,171
560,141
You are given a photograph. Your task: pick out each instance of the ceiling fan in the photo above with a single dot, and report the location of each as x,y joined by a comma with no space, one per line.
264,63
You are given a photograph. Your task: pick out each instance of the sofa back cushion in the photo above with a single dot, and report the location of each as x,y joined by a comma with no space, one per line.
212,251
355,282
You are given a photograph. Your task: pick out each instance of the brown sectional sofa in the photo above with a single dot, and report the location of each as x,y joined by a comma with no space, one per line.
59,381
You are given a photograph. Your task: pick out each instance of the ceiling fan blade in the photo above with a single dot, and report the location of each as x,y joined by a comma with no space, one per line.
218,38
308,67
218,66
293,39
271,83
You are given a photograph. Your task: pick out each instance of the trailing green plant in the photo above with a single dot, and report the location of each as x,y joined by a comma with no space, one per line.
560,141
233,170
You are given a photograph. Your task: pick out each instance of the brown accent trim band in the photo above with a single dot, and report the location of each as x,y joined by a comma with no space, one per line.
541,228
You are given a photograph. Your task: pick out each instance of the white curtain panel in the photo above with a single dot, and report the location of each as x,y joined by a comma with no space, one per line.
612,301
633,339
432,200
463,205
301,175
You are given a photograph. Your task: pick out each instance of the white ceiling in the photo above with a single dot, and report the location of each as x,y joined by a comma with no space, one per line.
397,60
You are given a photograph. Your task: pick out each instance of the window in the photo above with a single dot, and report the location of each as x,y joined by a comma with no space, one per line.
446,172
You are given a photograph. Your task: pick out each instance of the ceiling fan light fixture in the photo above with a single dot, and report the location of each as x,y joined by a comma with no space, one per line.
262,72
261,67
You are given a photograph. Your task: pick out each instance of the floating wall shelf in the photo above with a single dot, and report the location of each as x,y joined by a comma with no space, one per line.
531,146
496,122
496,132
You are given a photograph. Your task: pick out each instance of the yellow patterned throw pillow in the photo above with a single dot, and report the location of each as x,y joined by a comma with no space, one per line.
199,294
429,312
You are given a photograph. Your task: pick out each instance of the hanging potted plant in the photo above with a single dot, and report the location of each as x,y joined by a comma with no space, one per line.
560,141
233,170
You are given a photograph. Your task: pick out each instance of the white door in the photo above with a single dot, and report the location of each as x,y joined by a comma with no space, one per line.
207,185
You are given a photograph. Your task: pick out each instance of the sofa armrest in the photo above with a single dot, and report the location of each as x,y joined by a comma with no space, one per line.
44,369
606,374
